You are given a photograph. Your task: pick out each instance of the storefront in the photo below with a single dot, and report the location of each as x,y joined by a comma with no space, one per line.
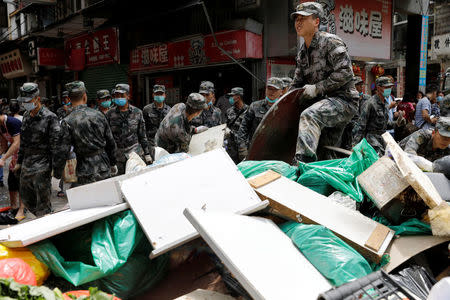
15,69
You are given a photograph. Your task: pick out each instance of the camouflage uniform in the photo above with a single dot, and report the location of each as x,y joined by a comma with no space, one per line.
209,117
61,113
445,106
421,143
234,121
153,116
39,153
128,129
327,65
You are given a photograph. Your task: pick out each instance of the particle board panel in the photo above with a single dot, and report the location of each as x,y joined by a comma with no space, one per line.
260,256
298,202
209,181
28,233
268,177
208,140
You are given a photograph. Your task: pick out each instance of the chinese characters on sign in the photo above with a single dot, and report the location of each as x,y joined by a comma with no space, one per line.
12,66
423,52
151,56
50,57
440,44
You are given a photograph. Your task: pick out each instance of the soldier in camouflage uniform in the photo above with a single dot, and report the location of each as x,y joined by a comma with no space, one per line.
287,81
155,112
255,113
39,151
235,115
128,128
324,70
103,101
66,107
175,131
374,119
88,131
212,116
445,106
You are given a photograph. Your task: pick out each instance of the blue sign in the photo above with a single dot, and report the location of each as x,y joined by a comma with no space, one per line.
423,52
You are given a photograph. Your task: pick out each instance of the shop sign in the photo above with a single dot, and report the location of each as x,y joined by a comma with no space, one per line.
196,51
100,47
12,65
364,26
280,68
50,57
423,53
440,44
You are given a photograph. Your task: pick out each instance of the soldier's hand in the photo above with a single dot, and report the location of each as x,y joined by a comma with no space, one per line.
17,168
310,91
242,153
227,132
114,170
148,159
200,129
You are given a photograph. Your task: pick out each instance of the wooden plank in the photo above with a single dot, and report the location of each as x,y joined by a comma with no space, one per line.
263,179
208,140
158,198
377,237
259,255
292,199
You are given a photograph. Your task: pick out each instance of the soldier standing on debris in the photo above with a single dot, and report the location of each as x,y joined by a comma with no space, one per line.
66,107
235,115
374,119
128,128
38,153
103,101
212,116
155,112
175,131
324,70
88,131
287,81
255,113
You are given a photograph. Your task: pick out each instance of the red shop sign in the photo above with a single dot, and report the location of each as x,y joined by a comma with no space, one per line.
50,57
11,65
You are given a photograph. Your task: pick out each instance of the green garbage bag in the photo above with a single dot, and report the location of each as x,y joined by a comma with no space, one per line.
251,168
332,257
411,227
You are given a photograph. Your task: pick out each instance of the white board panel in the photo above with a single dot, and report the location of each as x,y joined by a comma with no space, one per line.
209,181
28,233
208,140
261,257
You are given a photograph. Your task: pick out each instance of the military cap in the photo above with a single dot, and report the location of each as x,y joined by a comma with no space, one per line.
236,91
206,87
196,101
102,94
28,91
443,126
275,82
159,88
65,94
122,88
286,81
76,87
384,81
357,80
308,9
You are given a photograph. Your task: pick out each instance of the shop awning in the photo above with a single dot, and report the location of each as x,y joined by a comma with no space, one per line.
69,26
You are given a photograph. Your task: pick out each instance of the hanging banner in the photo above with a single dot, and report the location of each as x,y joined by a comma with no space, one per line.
423,53
12,65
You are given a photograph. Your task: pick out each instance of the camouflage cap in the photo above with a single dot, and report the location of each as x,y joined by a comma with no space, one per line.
103,94
286,81
196,101
275,82
308,9
122,88
76,87
159,88
443,126
357,80
384,81
65,94
28,91
206,87
236,91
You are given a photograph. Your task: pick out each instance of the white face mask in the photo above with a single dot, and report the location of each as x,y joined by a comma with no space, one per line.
29,106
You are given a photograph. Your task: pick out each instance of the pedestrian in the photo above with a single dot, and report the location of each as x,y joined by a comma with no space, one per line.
287,81
234,116
103,101
435,102
407,106
128,128
38,152
419,96
374,119
175,131
15,110
155,112
10,135
88,131
423,117
212,116
324,70
255,113
66,107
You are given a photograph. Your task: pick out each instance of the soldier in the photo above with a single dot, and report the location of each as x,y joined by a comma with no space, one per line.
287,81
235,115
65,109
128,128
175,131
155,112
88,131
103,101
38,153
324,70
212,116
255,113
445,106
374,119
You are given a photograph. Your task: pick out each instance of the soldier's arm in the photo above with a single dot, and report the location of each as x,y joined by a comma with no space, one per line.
59,146
360,128
244,129
298,81
142,136
413,142
338,58
110,146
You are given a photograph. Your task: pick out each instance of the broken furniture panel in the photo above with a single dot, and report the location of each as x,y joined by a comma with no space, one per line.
208,140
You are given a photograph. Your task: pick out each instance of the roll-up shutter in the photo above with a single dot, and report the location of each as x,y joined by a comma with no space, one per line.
103,77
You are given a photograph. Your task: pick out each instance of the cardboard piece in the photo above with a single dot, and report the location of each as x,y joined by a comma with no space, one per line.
300,203
260,181
200,294
28,233
209,181
208,140
260,256
441,183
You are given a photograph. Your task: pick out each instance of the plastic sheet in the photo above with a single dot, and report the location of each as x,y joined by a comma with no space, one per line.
411,227
335,260
18,269
251,168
